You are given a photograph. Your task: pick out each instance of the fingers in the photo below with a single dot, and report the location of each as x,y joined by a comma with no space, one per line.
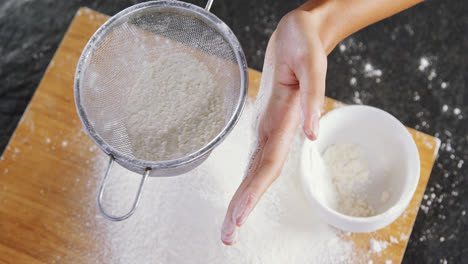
229,231
312,92
230,227
265,168
270,160
301,50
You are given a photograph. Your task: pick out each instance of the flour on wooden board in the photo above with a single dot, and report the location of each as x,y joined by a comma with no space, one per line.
179,218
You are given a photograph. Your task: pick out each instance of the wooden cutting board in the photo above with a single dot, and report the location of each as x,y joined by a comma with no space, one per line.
48,172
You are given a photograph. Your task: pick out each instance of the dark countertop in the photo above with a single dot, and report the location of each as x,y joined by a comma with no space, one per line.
432,98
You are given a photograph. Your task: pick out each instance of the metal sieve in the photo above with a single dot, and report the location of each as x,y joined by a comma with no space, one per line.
115,56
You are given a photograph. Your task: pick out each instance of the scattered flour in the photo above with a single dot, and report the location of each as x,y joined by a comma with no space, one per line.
174,109
64,144
357,98
432,75
179,218
342,47
344,163
409,29
47,140
423,63
404,237
376,246
460,164
370,71
388,261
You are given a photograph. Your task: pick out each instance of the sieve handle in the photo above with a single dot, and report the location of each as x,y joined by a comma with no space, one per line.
208,5
135,202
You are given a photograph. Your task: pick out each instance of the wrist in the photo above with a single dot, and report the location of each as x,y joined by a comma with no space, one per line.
326,21
337,19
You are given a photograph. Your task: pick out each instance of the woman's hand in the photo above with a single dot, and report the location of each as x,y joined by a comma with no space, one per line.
293,82
293,88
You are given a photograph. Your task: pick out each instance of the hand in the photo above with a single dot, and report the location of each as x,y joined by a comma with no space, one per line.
293,86
293,82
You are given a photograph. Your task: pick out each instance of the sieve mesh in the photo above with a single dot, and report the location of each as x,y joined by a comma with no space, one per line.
122,48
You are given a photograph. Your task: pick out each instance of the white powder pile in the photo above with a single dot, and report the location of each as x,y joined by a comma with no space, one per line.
349,174
175,108
179,218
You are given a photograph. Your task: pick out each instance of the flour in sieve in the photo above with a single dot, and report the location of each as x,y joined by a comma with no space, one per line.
174,108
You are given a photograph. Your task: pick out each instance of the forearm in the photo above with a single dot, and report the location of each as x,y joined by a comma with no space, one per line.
337,19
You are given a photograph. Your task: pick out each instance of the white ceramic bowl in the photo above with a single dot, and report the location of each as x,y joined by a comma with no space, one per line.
392,157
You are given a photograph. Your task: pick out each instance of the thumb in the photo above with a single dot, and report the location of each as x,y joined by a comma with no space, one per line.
311,76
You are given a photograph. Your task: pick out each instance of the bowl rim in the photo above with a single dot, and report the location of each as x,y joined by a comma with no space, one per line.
372,223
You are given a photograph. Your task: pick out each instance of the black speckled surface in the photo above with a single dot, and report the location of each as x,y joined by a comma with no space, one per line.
432,99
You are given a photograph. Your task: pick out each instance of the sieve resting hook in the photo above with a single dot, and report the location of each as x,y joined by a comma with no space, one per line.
135,202
208,5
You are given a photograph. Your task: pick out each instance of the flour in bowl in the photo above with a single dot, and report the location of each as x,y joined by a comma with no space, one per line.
174,109
349,173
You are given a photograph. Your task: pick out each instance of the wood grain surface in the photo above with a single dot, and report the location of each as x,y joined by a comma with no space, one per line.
48,173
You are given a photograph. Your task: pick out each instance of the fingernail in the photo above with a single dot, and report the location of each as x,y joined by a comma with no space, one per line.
309,133
229,231
243,208
313,129
230,239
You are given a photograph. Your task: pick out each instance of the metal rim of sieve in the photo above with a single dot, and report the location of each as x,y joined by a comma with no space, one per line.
102,32
144,166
